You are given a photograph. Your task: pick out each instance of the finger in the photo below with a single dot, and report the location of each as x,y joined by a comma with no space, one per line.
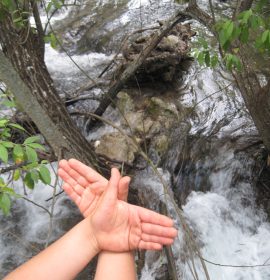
149,245
123,188
67,179
81,180
157,239
168,232
110,195
148,216
63,174
87,172
72,194
62,163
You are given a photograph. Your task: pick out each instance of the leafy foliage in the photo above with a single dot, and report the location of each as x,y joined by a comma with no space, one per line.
22,157
249,27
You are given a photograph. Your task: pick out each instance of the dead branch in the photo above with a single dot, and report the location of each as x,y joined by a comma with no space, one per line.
132,68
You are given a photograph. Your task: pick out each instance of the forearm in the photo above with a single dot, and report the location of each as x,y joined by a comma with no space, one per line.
116,266
64,259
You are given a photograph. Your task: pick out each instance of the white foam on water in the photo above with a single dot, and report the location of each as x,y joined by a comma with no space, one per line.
59,62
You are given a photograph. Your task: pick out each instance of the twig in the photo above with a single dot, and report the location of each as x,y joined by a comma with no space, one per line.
237,266
53,202
165,187
12,167
36,204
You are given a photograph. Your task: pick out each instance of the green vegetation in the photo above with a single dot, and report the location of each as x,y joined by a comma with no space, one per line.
248,27
21,158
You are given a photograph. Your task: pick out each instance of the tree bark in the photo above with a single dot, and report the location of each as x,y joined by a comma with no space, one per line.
26,75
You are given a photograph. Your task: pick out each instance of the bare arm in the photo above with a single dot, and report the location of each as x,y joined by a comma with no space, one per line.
112,225
116,266
113,266
63,260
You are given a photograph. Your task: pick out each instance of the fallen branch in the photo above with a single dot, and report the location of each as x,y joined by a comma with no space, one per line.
133,67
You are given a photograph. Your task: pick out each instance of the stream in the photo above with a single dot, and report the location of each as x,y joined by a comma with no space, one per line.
210,165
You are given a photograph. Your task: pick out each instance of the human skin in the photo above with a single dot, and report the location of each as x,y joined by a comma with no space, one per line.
77,177
112,225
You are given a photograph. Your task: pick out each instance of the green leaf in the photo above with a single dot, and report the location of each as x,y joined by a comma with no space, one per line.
45,175
222,38
29,182
3,153
30,166
15,125
201,58
49,6
265,35
207,58
2,182
7,144
5,203
36,146
8,190
18,154
245,16
229,30
53,41
16,175
31,154
57,4
214,61
236,32
228,59
203,42
31,139
35,175
244,35
237,63
3,122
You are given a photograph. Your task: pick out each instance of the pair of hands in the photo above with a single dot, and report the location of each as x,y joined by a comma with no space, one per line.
116,225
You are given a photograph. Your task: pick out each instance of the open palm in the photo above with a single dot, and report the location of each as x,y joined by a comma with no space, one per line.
118,226
81,182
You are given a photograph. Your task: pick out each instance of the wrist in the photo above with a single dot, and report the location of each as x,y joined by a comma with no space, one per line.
90,236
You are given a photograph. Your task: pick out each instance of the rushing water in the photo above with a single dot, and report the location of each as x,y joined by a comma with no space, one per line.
230,228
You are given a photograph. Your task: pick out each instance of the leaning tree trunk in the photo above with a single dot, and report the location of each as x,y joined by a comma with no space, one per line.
30,82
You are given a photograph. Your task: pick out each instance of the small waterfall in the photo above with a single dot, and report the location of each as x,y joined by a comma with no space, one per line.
210,168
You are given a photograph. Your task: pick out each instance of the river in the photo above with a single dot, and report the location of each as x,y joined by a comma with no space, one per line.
206,168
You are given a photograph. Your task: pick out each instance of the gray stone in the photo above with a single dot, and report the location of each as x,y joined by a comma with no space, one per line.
117,147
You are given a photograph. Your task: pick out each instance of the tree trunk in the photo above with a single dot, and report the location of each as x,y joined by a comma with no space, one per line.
32,86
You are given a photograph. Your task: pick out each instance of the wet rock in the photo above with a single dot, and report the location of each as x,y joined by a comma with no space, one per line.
166,109
117,147
138,122
161,144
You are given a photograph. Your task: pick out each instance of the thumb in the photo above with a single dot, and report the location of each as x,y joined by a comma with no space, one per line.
110,194
123,188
